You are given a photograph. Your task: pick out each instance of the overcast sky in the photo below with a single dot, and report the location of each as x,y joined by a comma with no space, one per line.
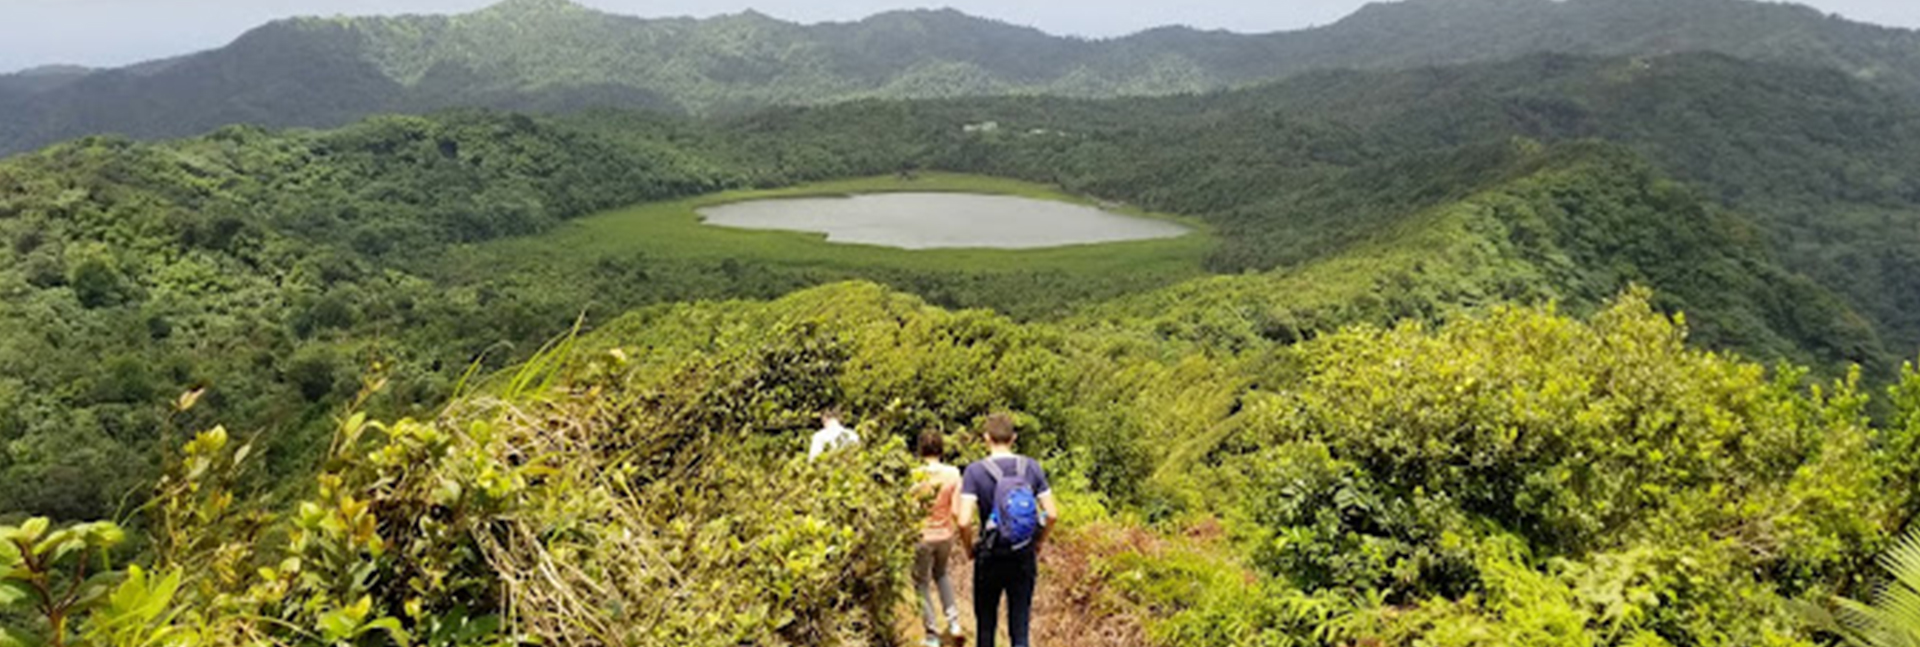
118,32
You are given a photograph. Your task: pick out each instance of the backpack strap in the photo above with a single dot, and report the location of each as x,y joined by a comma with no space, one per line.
994,470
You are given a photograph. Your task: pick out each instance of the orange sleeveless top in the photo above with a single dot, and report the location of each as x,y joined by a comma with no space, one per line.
944,482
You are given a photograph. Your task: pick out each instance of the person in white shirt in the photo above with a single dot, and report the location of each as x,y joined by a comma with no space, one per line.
832,435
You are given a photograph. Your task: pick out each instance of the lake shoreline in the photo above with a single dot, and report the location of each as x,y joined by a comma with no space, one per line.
929,220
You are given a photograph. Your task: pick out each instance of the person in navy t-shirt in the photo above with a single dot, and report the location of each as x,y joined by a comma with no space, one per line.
997,572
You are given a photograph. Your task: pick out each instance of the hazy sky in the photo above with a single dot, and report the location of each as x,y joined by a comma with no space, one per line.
117,32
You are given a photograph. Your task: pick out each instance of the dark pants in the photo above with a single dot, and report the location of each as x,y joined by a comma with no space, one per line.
1010,574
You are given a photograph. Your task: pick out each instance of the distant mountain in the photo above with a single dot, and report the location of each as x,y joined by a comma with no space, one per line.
552,55
43,78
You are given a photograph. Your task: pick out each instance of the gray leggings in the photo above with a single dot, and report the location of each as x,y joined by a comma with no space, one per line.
930,561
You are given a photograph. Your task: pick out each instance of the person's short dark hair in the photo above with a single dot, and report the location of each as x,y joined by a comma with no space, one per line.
1000,428
832,413
932,444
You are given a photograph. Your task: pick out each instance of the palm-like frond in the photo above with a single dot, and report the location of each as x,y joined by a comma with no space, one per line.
1903,562
1893,620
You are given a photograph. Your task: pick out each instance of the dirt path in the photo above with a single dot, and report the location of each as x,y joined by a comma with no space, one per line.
1071,606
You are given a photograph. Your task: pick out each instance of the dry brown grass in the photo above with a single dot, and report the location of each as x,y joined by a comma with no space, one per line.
640,529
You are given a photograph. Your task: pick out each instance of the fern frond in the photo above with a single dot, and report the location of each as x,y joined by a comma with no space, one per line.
1903,563
1893,620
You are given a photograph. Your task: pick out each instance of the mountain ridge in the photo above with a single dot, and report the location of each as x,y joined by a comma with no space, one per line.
556,55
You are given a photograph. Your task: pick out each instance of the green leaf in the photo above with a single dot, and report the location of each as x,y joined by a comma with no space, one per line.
105,535
1893,620
11,637
1903,562
132,592
96,587
476,628
161,594
59,546
14,592
32,530
392,627
336,626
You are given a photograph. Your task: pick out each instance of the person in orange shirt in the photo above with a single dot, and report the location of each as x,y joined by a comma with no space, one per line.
939,485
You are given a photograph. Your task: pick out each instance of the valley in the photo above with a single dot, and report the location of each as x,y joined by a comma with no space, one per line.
608,262
1456,323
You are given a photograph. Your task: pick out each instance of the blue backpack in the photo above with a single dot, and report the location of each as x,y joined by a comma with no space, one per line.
1016,520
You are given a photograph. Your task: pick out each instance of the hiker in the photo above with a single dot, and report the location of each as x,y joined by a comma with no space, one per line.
1010,495
940,484
832,435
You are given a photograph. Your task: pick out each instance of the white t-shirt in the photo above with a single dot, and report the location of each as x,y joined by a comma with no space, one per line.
834,436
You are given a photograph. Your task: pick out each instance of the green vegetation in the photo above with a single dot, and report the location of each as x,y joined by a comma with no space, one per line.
1307,169
1539,236
1547,352
272,268
255,264
1514,477
556,56
1894,617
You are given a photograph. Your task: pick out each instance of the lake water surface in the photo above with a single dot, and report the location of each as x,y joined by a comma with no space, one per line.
941,220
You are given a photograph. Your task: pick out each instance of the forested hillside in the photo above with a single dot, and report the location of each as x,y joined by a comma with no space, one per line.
1823,167
252,261
277,267
551,55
